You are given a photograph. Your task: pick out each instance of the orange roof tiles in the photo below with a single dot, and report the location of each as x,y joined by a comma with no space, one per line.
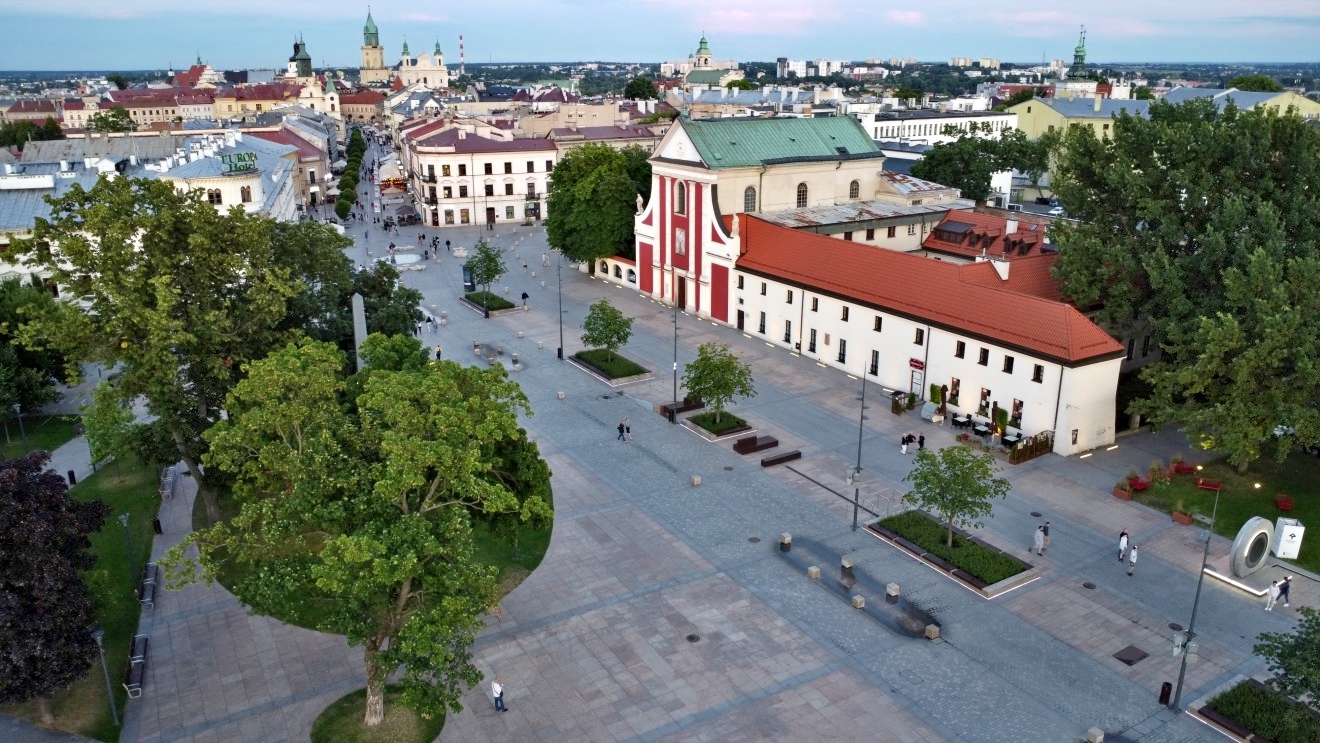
962,299
969,234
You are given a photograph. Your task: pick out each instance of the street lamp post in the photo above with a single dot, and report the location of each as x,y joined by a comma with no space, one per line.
673,412
559,270
857,471
98,634
1196,602
18,411
128,550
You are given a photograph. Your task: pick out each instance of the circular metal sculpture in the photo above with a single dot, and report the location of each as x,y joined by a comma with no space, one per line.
1252,546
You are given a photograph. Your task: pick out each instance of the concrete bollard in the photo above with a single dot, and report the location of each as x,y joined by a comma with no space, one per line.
561,395
859,602
540,345
542,284
506,290
1095,735
444,321
520,334
932,632
891,589
517,367
696,480
785,542
443,313
813,572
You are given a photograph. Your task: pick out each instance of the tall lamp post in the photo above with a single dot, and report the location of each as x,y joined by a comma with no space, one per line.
128,551
857,471
559,270
18,411
98,634
673,412
1196,602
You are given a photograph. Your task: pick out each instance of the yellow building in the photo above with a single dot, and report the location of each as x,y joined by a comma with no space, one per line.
1041,115
1280,102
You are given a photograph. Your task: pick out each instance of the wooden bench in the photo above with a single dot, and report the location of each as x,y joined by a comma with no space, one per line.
787,456
750,444
147,591
134,677
137,648
688,405
1283,502
1182,468
1206,483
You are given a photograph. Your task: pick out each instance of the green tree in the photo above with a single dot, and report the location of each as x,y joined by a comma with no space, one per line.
739,84
45,605
119,81
486,265
1162,232
113,119
357,493
717,376
606,327
1022,96
909,94
593,198
968,162
177,295
1143,93
1294,659
957,484
1255,83
27,375
640,89
19,133
109,424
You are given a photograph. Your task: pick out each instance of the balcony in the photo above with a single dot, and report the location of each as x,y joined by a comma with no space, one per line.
533,195
431,200
428,178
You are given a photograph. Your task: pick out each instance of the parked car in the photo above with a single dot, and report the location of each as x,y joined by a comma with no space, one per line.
1057,212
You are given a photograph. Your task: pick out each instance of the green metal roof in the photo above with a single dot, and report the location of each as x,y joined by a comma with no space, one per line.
744,142
370,27
705,77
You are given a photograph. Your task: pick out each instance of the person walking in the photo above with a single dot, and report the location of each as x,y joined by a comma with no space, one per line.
1132,560
1045,530
621,427
524,298
1038,540
921,442
1284,587
902,444
627,428
1122,544
497,694
545,259
1272,596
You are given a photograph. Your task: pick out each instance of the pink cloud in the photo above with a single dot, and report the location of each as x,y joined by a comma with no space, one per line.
906,17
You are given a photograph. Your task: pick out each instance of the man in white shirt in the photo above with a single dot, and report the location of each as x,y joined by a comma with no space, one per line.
497,693
1271,595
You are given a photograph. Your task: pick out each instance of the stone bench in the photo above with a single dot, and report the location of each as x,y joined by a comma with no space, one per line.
787,456
750,444
686,406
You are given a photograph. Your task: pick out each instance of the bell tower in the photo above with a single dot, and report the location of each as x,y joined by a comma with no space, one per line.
373,56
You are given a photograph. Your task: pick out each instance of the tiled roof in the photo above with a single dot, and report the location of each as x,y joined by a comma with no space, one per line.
33,106
1030,275
936,292
261,92
858,211
971,234
74,104
746,142
305,149
362,97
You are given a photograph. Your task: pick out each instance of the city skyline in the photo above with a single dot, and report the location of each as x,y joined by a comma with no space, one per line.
153,34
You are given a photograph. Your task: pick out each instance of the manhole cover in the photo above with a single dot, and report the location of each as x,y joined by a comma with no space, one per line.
1035,514
1088,585
753,540
728,468
1175,626
693,638
1131,655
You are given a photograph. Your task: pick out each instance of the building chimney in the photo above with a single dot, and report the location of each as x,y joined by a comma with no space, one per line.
1098,100
1010,226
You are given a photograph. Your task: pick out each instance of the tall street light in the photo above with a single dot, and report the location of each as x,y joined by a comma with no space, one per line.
98,634
18,411
128,550
673,412
559,270
857,471
1196,602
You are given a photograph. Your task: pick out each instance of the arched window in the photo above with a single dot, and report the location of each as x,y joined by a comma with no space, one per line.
245,193
854,190
604,267
749,199
801,195
680,199
213,196
618,272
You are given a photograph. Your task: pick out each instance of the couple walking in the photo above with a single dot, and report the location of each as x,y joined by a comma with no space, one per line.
1123,549
1041,539
1278,592
625,430
909,439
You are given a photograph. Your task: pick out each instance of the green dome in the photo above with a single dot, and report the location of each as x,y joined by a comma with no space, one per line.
703,47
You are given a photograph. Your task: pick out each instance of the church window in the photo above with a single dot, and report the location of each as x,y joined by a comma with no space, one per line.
680,199
801,195
854,190
749,199
245,193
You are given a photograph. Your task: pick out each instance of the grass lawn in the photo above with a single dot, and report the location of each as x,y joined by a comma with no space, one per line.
341,722
1262,710
612,366
728,422
989,565
82,708
45,432
489,300
1298,476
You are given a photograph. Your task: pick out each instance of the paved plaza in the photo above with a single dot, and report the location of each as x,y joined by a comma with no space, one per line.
663,611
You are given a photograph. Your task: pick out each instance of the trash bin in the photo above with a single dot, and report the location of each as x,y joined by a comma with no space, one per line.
73,479
156,527
1166,693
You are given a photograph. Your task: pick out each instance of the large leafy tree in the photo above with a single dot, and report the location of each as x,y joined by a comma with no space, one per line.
358,492
957,484
19,133
178,295
486,264
1255,83
108,421
1188,219
606,327
113,119
27,375
1294,659
640,88
45,608
593,199
968,162
717,376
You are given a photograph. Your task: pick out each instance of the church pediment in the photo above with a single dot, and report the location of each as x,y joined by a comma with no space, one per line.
678,146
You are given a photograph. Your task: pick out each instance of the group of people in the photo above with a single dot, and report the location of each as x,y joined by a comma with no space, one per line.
910,439
625,430
1127,548
1278,592
1040,541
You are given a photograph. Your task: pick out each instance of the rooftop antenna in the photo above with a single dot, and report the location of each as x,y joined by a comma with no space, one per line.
462,65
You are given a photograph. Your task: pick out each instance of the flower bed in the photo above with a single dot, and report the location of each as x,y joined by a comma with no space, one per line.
611,366
728,422
489,301
1250,707
985,563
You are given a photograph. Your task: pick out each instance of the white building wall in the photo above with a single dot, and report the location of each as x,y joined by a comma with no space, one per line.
930,130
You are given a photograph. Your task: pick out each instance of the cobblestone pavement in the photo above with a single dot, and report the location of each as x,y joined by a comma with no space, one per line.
663,611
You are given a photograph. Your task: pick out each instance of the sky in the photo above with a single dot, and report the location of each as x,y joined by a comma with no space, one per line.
236,34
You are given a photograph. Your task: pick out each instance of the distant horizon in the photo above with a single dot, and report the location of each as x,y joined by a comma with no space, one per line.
74,35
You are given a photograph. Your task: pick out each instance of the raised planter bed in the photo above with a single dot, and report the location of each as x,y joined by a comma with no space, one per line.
997,563
604,376
1262,709
723,435
1182,518
1122,494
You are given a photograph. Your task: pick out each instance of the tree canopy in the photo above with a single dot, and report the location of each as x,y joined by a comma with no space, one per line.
968,162
45,608
593,198
640,89
957,484
27,375
1294,659
717,376
1197,227
17,133
606,327
114,119
486,264
1255,83
358,492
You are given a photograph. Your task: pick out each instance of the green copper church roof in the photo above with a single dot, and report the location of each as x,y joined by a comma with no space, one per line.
370,28
405,47
749,142
703,47
437,48
705,77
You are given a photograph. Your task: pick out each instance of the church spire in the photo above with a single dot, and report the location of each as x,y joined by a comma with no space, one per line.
370,34
1078,68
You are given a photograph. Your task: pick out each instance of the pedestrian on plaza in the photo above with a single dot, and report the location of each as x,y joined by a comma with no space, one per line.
524,268
497,694
1284,587
1132,560
437,353
902,444
426,255
1122,544
1038,540
524,299
627,429
1046,531
419,330
621,427
545,259
447,250
1272,595
921,442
